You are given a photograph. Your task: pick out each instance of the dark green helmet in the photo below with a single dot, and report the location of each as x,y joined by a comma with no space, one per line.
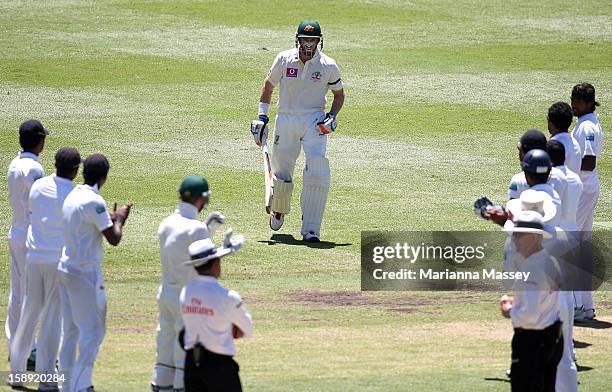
308,28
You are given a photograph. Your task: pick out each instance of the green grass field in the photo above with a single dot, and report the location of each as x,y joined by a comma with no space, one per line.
437,95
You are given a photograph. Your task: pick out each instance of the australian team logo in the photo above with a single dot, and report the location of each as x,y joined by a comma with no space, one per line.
316,76
309,28
292,72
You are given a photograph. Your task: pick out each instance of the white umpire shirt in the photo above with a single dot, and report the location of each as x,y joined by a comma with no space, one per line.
46,232
209,310
569,205
176,232
303,87
589,135
22,172
573,154
536,301
85,218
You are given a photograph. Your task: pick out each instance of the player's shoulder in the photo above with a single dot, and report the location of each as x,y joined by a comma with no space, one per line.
557,173
232,296
326,60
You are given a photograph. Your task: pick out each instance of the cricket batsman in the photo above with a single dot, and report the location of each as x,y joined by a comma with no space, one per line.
305,75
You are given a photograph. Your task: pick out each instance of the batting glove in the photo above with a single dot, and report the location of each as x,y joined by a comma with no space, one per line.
328,124
259,129
213,221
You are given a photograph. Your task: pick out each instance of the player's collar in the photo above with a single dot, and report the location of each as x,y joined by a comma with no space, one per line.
25,154
187,210
589,116
94,188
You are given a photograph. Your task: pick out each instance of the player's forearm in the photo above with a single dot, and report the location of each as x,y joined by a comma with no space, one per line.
114,233
266,93
337,103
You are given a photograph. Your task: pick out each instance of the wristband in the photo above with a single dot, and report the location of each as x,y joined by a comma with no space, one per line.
263,108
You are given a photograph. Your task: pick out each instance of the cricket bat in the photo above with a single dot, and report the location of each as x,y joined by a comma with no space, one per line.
267,168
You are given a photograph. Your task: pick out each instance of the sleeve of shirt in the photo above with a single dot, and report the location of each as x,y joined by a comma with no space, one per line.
585,136
97,214
276,71
200,232
239,315
525,312
335,81
513,190
35,173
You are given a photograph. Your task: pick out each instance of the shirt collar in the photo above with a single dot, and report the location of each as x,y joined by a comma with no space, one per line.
542,187
61,179
586,117
25,154
187,210
93,188
207,279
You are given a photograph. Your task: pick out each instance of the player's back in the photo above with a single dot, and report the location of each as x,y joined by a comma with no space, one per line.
176,233
46,231
22,172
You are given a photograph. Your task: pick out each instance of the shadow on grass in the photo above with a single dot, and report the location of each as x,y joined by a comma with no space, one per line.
583,368
579,344
595,324
497,379
288,239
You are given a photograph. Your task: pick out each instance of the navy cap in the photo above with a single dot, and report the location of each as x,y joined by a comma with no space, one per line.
532,139
33,128
537,162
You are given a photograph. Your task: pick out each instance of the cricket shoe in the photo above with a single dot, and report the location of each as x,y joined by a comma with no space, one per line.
579,314
311,237
48,387
589,314
276,220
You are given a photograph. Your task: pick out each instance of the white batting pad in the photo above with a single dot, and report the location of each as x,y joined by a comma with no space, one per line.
281,196
314,193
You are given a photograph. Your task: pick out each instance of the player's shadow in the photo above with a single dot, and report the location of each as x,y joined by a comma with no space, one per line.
24,389
288,239
583,368
594,323
579,344
497,379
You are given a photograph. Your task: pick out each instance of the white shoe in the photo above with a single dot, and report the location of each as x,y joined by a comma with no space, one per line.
589,314
579,314
276,220
311,237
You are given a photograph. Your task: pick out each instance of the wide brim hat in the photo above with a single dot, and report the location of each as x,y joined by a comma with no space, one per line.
527,221
203,251
532,200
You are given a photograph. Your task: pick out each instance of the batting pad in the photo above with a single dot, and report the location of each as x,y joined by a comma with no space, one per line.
281,196
316,182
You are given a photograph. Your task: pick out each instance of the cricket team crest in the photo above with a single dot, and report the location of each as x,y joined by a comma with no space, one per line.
316,76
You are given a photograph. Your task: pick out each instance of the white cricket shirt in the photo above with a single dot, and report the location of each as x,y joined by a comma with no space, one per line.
85,218
536,301
518,184
569,204
589,135
209,310
46,232
303,87
176,232
573,154
22,172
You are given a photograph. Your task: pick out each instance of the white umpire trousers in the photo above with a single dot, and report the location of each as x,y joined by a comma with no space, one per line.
567,372
291,133
41,303
17,251
584,220
84,309
170,358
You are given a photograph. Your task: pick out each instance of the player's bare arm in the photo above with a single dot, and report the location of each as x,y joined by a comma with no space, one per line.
588,163
338,102
114,233
266,93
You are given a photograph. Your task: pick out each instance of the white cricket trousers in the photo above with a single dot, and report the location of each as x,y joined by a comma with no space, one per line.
291,133
17,251
567,372
84,311
41,303
584,220
170,359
